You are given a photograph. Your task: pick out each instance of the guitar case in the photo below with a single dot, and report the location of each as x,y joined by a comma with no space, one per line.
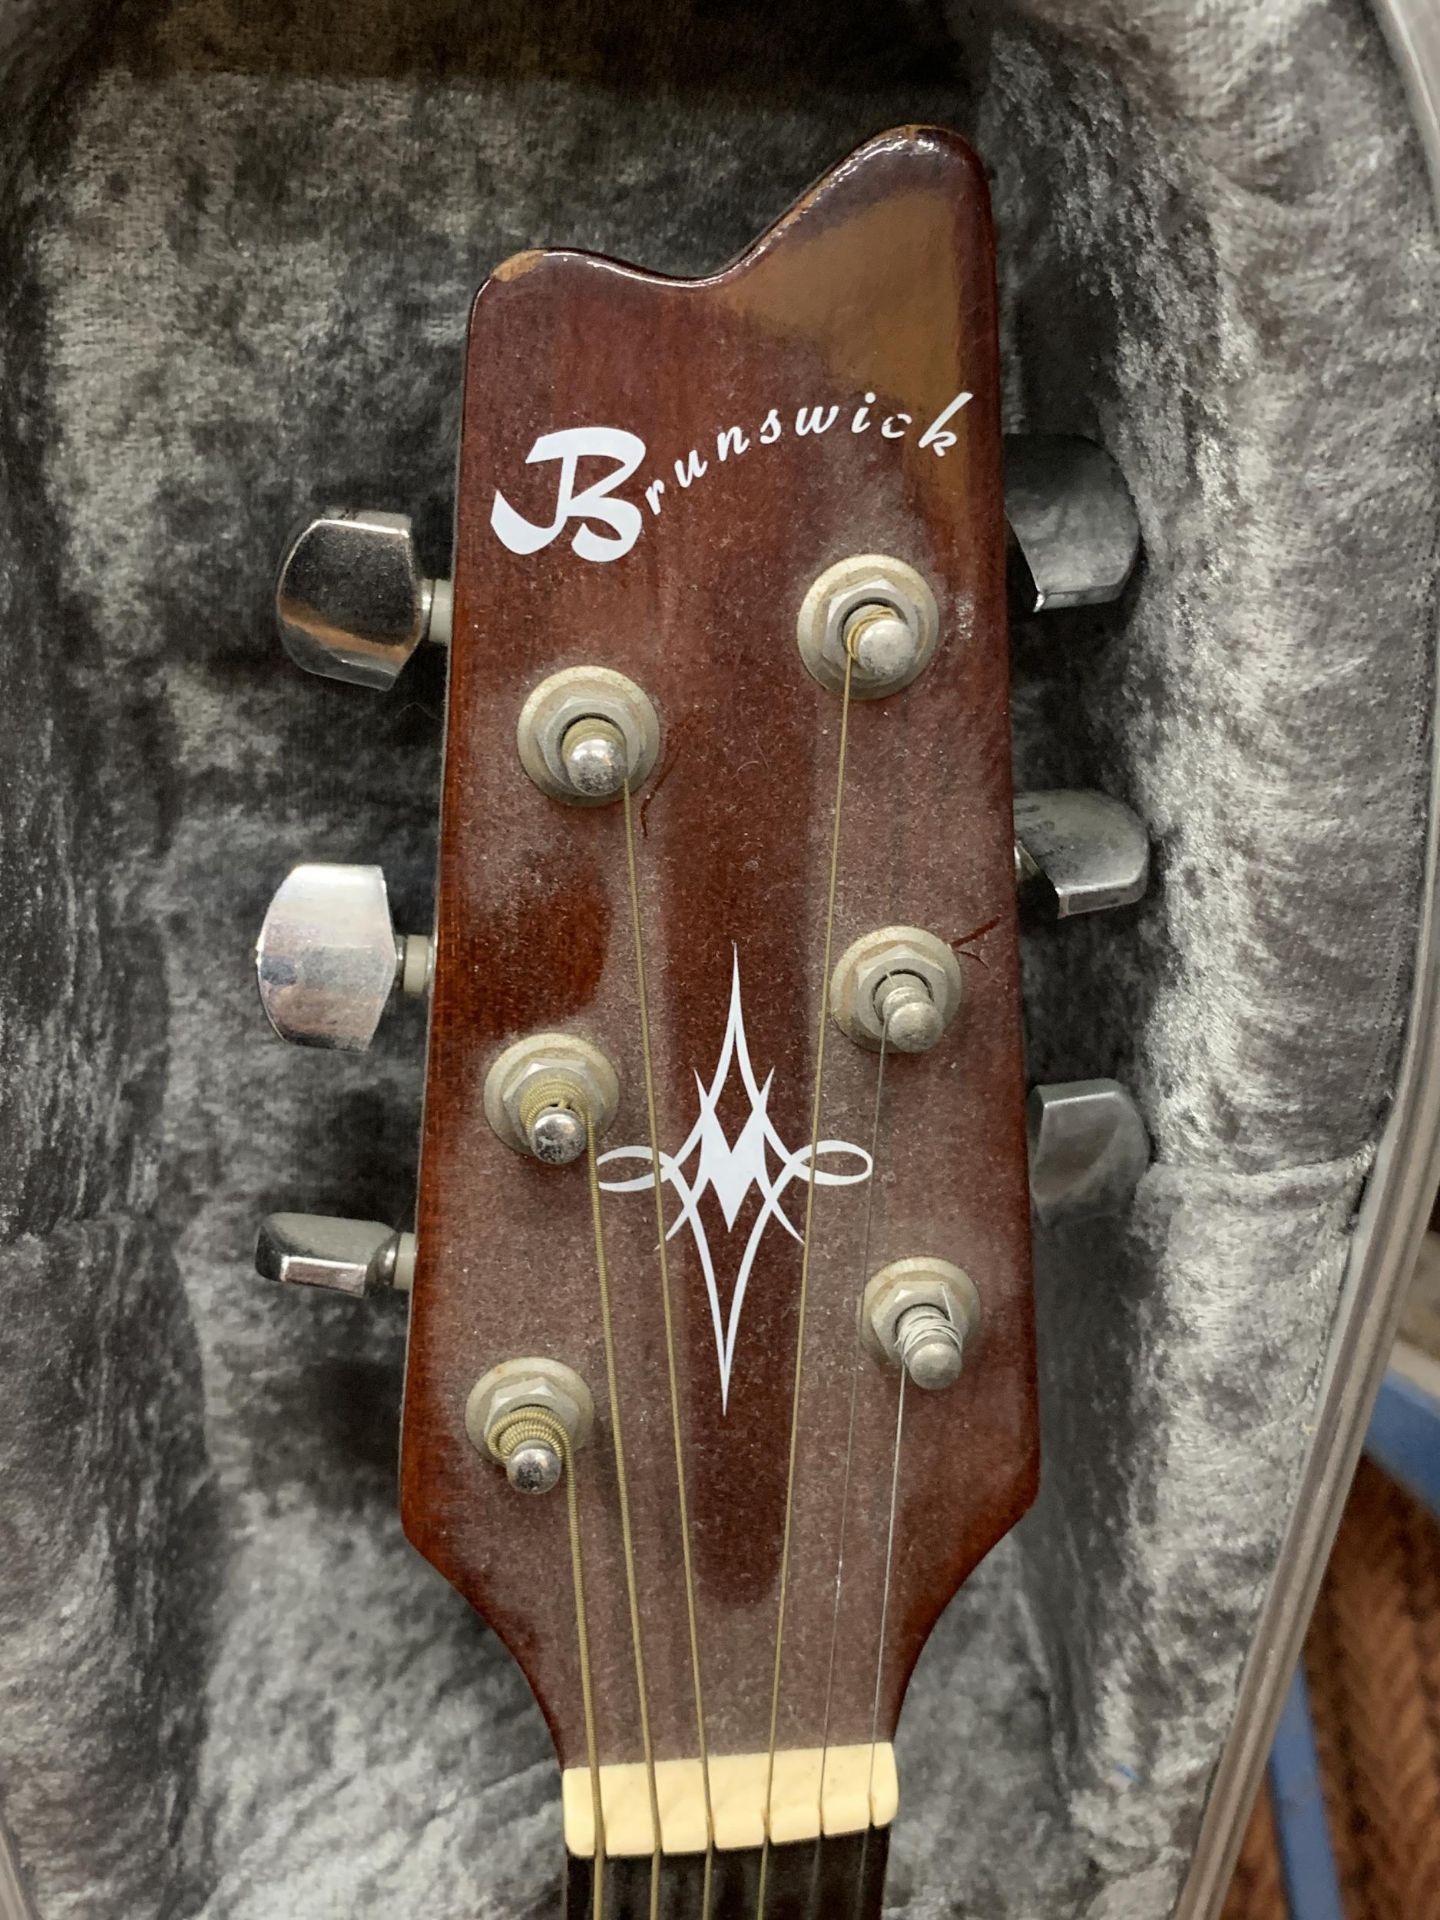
238,243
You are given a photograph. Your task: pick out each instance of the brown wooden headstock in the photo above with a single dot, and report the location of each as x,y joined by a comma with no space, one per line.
831,394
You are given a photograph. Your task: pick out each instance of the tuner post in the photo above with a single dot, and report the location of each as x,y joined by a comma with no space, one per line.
551,1109
547,1093
899,985
883,644
905,1006
871,616
586,734
595,758
530,1416
929,1346
922,1315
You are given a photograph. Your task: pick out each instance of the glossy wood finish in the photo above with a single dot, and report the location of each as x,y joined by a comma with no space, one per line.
880,281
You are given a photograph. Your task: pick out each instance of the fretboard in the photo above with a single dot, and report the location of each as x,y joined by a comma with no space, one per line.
838,1878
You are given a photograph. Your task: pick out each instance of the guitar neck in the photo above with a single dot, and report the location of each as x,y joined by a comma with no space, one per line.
841,1877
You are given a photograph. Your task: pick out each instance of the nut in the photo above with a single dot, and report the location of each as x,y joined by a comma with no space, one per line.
865,580
869,961
516,1384
924,1280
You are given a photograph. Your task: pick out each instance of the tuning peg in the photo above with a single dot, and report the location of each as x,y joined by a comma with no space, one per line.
1077,852
1076,535
1088,1149
350,600
328,957
344,1256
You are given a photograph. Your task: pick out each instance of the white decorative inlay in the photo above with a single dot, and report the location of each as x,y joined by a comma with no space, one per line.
707,1160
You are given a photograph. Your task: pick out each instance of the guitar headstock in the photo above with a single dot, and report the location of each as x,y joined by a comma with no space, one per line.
723,1234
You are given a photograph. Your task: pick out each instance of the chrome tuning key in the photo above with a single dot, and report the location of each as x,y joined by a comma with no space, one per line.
1075,535
351,602
1077,852
328,957
1088,1149
353,1257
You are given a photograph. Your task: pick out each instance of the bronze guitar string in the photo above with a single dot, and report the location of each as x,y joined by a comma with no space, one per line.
815,1111
884,1621
642,1000
538,1423
587,1690
622,1488
857,1358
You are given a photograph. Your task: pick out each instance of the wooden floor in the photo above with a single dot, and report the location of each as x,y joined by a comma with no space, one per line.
1372,1659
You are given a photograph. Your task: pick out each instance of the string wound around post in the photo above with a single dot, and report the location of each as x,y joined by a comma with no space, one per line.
921,1314
531,1417
543,1092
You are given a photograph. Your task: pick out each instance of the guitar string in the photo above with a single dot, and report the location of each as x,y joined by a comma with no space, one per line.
691,1612
884,1623
815,1109
622,1486
587,1690
857,1359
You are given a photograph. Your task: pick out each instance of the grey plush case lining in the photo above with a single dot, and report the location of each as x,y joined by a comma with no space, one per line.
239,241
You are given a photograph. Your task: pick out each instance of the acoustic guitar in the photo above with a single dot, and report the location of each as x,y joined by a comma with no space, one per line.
721,1372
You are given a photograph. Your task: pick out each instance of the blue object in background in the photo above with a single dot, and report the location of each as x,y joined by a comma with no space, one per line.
1307,1861
1404,1438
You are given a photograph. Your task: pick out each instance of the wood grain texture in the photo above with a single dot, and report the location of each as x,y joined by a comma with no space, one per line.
881,281
1372,1660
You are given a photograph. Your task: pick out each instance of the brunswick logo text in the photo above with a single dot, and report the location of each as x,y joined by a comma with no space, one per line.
602,518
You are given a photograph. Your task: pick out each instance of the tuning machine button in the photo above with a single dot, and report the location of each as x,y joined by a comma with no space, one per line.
1075,535
328,957
1088,1149
350,600
353,1257
1077,852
